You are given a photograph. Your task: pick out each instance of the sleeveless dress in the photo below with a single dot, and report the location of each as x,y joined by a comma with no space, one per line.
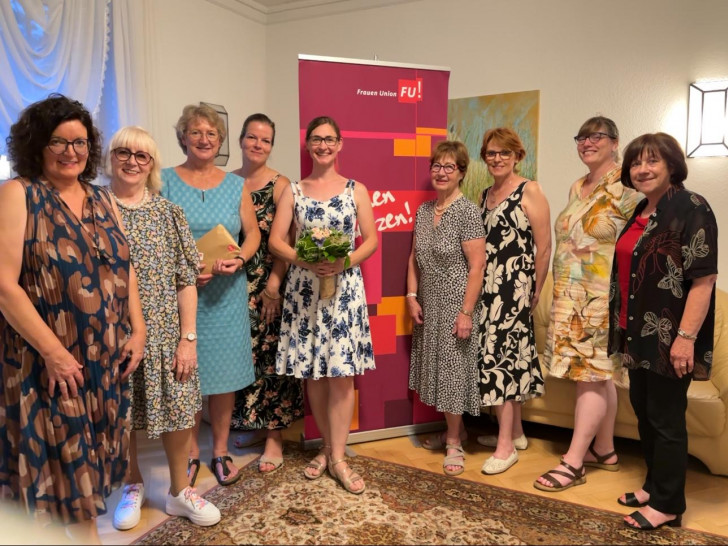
165,257
273,401
508,360
224,356
331,337
63,457
585,234
444,369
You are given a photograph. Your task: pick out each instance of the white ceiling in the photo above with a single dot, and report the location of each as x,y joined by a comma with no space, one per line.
278,11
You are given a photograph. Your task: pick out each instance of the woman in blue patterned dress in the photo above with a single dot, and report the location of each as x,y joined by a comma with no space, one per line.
326,341
71,324
166,387
274,401
210,196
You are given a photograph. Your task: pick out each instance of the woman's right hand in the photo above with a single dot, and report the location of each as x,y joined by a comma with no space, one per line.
203,279
415,310
64,371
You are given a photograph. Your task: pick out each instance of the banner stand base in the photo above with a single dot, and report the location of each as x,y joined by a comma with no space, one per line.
381,434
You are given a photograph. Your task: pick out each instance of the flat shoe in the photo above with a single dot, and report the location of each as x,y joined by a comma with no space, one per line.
315,464
454,460
223,462
277,462
496,466
630,499
344,479
490,440
190,463
577,476
599,463
645,525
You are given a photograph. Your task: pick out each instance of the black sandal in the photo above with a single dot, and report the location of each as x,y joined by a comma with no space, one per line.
630,499
223,462
191,462
643,524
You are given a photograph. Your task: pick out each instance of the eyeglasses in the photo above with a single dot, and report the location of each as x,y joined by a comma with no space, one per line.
317,140
59,145
124,154
594,138
449,168
194,134
504,154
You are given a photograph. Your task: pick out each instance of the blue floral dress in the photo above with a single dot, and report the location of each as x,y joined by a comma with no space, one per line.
331,337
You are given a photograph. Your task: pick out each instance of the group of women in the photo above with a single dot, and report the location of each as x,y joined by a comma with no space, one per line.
108,317
634,271
109,324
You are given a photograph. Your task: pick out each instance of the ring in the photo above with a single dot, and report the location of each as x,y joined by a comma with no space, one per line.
62,383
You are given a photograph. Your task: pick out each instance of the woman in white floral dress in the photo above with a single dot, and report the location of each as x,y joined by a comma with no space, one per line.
518,249
326,341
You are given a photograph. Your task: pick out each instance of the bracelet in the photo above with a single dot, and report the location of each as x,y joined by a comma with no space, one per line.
411,295
267,295
683,333
470,314
238,257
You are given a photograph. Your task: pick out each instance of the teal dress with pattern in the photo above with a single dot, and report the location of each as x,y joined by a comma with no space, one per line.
224,352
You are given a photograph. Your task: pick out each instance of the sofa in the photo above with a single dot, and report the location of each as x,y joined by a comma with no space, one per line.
707,414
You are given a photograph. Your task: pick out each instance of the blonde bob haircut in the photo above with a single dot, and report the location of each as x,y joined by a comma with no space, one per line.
137,139
193,112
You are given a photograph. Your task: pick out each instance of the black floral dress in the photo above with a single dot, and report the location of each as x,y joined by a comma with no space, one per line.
508,360
273,401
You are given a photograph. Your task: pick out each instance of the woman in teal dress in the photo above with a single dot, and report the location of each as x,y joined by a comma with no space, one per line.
210,196
274,401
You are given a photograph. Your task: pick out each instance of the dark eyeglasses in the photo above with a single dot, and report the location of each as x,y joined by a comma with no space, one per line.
448,168
505,154
124,154
317,140
59,145
594,138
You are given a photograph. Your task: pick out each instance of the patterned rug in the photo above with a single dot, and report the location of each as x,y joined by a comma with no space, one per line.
401,505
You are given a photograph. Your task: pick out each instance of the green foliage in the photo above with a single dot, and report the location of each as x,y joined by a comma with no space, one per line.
317,244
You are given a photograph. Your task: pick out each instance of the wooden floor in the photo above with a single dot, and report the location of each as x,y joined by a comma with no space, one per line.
707,495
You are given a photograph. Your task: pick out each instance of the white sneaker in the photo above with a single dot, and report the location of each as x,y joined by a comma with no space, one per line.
491,441
190,505
129,510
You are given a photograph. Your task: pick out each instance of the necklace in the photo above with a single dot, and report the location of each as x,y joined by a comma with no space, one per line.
440,209
131,206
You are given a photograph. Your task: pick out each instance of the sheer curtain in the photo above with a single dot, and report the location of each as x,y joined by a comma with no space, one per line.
51,46
94,51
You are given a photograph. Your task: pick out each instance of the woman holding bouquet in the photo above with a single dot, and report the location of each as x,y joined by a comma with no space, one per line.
326,340
273,402
444,279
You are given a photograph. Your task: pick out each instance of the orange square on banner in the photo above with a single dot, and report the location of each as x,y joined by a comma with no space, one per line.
404,147
397,306
384,334
423,145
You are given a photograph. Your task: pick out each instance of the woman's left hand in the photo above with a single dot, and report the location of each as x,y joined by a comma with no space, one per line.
226,267
326,268
681,356
463,326
185,360
269,308
133,350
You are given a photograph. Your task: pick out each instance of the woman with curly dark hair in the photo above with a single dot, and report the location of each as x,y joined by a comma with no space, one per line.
71,324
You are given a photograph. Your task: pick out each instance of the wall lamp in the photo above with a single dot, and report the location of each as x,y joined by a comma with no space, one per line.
707,120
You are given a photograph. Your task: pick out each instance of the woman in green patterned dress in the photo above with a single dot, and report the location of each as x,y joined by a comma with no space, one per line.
273,402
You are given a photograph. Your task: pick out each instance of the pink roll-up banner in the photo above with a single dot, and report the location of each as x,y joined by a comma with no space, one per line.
390,115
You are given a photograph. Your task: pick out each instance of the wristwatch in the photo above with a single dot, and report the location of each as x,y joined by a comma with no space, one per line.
190,336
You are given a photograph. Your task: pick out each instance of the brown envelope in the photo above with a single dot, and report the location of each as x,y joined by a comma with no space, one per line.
216,243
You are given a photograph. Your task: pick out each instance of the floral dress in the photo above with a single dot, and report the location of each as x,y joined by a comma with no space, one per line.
585,234
165,258
62,457
508,360
273,401
330,337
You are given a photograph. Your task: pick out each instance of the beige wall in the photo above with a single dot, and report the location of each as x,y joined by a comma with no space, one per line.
631,60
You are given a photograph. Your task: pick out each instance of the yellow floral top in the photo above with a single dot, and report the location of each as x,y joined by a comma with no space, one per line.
585,234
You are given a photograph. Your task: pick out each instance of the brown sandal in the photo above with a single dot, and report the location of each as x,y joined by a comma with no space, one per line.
577,476
600,460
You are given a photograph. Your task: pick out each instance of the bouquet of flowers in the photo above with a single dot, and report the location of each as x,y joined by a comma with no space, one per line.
318,244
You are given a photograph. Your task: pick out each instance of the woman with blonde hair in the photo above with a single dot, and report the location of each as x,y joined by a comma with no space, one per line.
166,387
